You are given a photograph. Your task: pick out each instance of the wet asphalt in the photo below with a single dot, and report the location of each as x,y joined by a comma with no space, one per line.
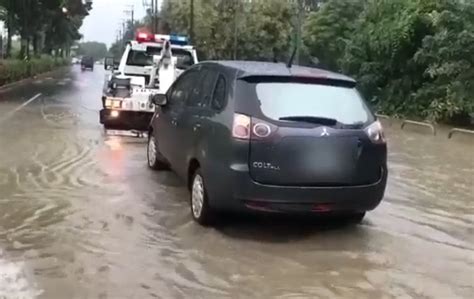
81,216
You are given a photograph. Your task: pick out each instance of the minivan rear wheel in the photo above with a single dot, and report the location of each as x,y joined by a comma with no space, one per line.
200,209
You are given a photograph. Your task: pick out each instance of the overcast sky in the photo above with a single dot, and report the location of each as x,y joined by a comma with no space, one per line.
106,16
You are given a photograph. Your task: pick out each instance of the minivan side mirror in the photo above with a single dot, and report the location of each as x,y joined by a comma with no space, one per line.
159,99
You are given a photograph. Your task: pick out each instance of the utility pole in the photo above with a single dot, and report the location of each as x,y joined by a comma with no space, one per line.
191,22
131,11
124,30
298,30
156,16
152,16
236,9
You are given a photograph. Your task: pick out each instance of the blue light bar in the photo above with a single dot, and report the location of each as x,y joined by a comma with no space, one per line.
179,40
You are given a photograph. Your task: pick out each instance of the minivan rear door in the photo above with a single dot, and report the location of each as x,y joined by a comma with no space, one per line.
310,134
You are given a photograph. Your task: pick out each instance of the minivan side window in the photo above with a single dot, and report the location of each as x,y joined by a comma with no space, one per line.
182,90
202,90
219,97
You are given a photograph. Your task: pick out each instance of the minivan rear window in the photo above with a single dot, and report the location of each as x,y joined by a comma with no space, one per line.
280,100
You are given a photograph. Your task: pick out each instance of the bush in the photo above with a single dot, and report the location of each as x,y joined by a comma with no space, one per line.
411,58
14,70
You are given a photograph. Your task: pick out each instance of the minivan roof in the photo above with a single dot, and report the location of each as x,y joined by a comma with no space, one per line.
259,68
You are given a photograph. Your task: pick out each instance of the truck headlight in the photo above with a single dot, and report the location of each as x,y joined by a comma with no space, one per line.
117,104
113,103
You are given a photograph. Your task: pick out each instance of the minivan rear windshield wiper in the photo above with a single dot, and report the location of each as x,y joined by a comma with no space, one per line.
319,120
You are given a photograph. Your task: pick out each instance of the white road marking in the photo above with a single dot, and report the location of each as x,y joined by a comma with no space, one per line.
10,114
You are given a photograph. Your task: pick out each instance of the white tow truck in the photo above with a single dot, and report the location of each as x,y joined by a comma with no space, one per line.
149,65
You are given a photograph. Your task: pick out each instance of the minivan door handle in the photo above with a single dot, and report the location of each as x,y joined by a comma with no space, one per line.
196,127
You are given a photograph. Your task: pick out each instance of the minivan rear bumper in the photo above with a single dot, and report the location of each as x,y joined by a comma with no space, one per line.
249,194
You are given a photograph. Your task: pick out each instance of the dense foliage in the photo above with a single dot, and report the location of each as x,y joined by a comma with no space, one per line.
45,26
14,70
93,49
411,57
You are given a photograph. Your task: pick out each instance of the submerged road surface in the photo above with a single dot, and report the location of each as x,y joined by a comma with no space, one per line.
81,216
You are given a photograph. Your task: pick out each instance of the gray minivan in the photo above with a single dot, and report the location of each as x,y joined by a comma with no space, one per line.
261,136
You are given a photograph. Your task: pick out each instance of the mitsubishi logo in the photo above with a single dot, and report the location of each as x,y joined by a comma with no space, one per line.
325,132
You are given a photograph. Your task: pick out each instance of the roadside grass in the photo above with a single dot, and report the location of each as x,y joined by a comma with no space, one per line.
12,70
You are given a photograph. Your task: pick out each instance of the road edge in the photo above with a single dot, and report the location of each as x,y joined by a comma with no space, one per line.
13,85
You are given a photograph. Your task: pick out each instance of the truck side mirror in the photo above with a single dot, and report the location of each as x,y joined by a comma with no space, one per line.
109,63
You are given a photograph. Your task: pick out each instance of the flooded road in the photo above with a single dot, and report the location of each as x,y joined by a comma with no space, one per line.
81,216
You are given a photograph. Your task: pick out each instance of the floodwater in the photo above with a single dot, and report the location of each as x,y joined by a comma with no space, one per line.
81,216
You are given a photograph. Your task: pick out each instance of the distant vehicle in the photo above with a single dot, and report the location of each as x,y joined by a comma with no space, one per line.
261,136
87,62
75,60
149,65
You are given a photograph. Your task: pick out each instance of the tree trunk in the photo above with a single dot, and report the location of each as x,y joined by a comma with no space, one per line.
28,48
10,34
22,49
35,44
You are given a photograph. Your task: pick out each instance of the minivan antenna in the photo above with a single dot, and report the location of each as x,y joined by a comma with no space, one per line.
290,62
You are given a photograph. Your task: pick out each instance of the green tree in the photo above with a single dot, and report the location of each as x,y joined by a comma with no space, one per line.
94,49
327,30
448,53
226,29
35,20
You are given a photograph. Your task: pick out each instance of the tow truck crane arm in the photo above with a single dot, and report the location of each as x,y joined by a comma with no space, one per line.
164,66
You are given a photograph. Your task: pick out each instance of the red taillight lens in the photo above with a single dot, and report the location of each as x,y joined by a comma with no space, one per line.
375,133
241,126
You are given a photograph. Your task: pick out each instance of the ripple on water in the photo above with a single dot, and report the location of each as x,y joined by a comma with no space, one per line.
55,170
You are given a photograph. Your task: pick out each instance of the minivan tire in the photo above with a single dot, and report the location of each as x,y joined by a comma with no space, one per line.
201,211
155,160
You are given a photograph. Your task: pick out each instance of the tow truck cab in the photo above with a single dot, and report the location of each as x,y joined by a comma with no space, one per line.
131,108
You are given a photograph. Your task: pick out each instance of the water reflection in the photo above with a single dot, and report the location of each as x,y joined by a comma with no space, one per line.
82,213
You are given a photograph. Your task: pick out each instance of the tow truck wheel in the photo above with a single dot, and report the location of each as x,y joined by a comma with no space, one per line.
155,159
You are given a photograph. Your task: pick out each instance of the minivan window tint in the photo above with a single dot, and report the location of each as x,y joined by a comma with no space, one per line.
287,100
203,89
183,89
219,96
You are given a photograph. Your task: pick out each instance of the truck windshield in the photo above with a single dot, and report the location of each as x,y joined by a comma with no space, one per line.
142,58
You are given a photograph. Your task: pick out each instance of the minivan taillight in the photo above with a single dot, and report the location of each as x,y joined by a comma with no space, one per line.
241,126
375,133
262,129
245,127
